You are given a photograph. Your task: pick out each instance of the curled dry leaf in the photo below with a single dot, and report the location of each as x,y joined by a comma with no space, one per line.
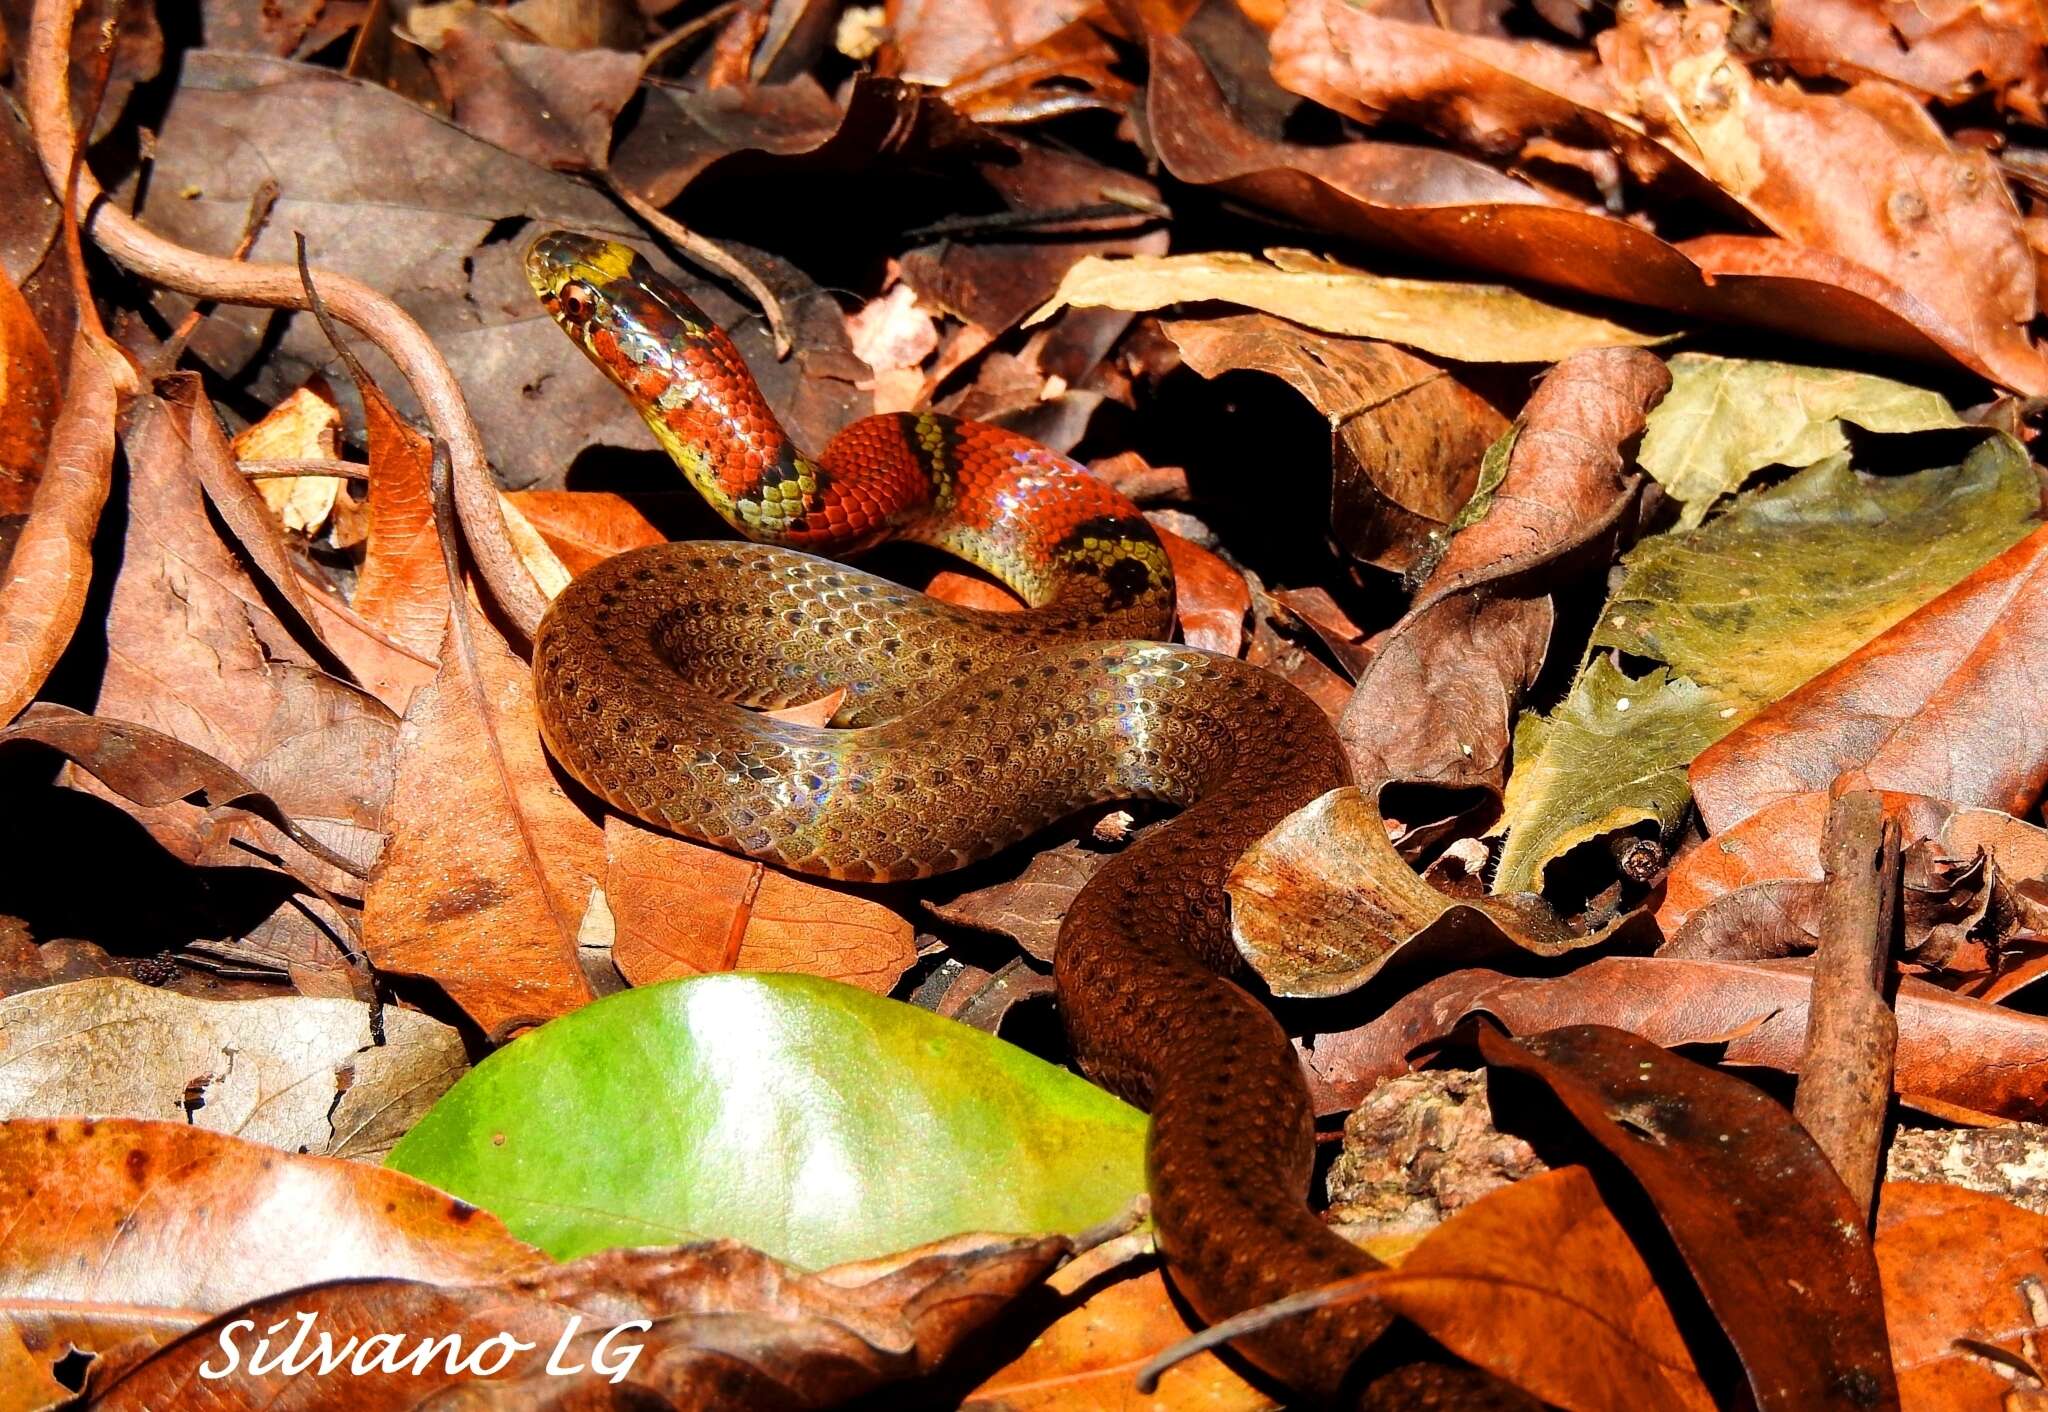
1940,705
1962,1275
894,336
1436,702
492,871
1406,435
553,106
1865,175
726,1330
1954,1052
1411,199
1323,902
1474,323
152,769
1485,93
120,1235
303,1074
684,909
195,652
1538,1284
981,998
1775,1241
1069,70
46,577
1948,52
1974,890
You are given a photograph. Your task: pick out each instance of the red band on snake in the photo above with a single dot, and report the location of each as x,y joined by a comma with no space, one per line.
963,732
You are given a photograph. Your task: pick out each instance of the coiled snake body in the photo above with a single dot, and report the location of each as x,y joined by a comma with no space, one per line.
968,731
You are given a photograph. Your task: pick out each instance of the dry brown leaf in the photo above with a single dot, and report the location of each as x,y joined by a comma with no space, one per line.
683,908
1071,69
1774,1241
1538,1284
402,588
1947,50
1111,1322
42,593
195,652
492,870
894,336
1484,93
729,1330
1962,1274
587,527
302,1074
1210,598
304,426
1501,92
553,106
117,1235
1029,907
1939,704
1406,436
1954,1052
1865,175
1437,702
1323,902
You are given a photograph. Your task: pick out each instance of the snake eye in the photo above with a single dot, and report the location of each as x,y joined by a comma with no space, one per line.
578,301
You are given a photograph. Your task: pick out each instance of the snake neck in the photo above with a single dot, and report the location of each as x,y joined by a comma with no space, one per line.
1085,560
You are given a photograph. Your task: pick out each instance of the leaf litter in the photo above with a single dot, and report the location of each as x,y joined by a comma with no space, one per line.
1619,424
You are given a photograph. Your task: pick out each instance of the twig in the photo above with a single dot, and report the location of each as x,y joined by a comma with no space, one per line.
252,226
1292,1306
704,252
285,466
1124,208
682,34
76,177
276,286
1845,1073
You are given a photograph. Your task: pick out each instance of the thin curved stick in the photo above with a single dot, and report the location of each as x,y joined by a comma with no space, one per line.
277,286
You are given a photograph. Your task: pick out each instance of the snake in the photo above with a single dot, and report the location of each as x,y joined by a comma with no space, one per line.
961,732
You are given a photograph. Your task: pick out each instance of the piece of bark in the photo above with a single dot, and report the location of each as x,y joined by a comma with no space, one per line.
1851,1034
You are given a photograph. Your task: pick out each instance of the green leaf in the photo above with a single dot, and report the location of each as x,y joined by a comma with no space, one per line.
1788,582
812,1120
1726,418
1794,578
1612,754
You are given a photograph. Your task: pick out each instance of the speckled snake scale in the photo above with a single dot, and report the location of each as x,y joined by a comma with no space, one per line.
962,732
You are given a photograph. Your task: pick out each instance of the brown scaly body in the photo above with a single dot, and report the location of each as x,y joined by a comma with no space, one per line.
968,731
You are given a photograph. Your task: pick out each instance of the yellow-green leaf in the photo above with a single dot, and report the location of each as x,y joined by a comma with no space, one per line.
1474,323
1727,418
815,1121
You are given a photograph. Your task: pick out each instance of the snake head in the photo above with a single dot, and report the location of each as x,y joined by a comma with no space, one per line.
678,368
